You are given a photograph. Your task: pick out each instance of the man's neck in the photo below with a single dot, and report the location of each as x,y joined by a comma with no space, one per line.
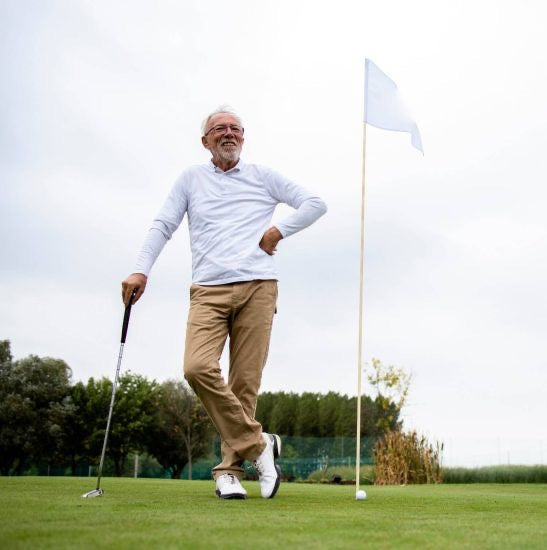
224,165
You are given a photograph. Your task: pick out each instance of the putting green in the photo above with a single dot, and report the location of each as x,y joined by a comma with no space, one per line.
41,512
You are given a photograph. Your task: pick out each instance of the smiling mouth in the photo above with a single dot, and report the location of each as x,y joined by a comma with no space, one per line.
228,143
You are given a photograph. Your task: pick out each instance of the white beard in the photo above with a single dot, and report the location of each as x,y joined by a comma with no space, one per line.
230,155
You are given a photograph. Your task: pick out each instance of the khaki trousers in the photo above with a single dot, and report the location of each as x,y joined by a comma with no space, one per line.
243,311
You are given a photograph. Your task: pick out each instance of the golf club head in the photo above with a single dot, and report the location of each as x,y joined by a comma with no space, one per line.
93,494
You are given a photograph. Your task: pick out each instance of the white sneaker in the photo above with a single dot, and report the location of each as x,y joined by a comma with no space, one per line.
269,474
228,486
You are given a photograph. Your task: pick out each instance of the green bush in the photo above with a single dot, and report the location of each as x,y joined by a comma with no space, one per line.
497,474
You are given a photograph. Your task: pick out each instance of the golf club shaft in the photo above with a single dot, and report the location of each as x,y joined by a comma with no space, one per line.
115,385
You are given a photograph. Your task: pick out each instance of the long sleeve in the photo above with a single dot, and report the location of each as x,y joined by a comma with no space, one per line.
309,208
153,244
164,225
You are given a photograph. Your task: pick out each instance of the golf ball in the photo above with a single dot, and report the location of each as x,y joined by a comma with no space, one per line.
360,495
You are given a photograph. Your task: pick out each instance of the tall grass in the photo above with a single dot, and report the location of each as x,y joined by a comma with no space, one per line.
402,458
497,474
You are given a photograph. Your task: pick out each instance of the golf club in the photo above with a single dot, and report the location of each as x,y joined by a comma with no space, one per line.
97,492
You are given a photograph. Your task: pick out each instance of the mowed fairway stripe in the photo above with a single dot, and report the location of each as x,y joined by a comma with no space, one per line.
41,512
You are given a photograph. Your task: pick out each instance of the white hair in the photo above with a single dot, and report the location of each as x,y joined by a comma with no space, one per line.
222,109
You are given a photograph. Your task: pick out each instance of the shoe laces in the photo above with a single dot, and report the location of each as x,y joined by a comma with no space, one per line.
230,478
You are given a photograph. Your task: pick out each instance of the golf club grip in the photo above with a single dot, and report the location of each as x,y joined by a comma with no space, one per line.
126,317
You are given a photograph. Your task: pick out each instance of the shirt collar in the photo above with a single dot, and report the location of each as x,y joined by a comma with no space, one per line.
237,168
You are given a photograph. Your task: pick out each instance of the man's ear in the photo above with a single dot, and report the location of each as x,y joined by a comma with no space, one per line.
204,142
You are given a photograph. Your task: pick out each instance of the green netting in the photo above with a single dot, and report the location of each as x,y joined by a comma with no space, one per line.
300,456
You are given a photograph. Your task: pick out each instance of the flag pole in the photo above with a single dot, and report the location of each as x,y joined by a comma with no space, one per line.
360,338
388,113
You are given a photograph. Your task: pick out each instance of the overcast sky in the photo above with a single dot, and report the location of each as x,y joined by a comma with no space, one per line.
101,105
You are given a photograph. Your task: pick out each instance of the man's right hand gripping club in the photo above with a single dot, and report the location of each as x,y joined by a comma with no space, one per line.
135,281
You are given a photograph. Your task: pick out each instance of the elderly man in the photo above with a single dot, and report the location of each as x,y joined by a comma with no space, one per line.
229,205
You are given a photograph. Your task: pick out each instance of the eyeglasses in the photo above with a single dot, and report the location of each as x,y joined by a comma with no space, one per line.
223,128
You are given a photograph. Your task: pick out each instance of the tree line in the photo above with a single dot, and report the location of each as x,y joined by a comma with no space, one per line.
324,415
47,419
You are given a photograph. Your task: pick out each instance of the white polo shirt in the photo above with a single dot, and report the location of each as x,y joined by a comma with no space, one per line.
228,213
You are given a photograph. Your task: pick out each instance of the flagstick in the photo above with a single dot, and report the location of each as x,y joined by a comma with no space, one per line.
360,340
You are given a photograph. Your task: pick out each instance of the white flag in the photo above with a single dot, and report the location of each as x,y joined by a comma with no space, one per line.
384,107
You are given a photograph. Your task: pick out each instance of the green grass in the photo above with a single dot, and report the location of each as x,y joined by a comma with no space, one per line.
40,512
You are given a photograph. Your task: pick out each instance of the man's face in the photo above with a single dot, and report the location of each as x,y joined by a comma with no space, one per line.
224,143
